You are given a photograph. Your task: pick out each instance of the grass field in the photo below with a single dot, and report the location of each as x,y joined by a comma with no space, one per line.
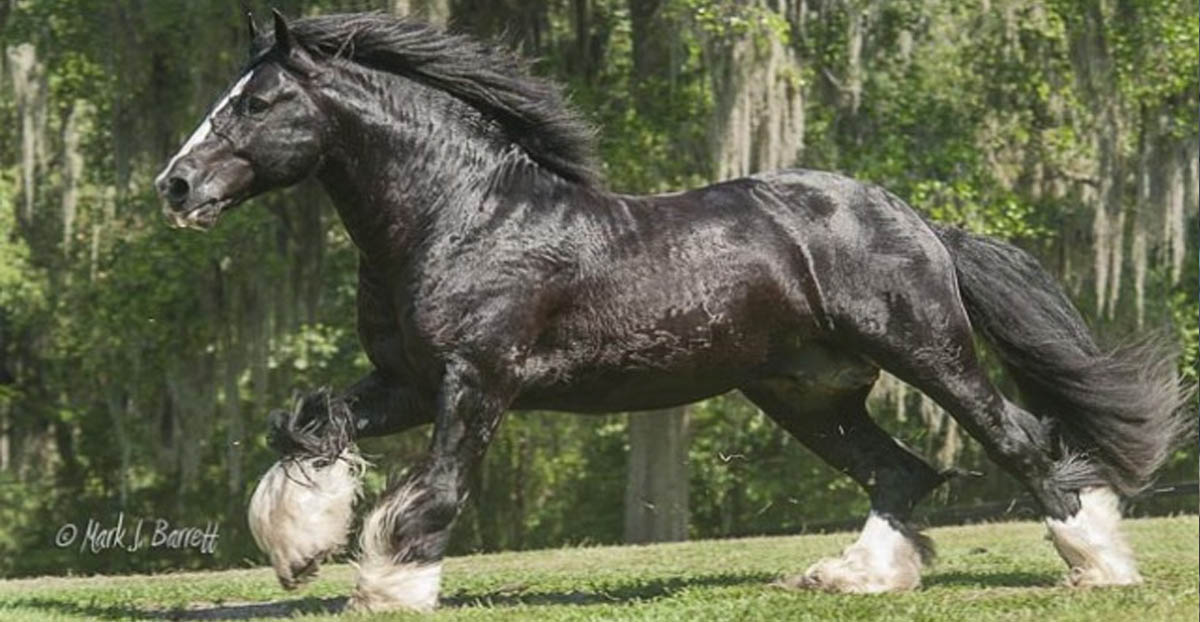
989,572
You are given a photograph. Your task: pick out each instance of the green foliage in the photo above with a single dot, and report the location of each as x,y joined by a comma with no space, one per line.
1185,312
959,203
21,294
722,19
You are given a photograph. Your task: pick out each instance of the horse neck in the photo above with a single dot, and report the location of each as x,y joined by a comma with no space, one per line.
404,161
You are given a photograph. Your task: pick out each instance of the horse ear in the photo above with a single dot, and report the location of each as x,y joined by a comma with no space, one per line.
251,26
283,36
293,55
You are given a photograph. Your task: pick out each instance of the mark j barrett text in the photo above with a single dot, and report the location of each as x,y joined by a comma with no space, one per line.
132,536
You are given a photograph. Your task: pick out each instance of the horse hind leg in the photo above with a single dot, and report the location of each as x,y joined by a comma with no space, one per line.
935,354
1082,513
1091,542
833,423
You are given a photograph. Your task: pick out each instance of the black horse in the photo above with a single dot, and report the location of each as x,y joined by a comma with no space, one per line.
496,272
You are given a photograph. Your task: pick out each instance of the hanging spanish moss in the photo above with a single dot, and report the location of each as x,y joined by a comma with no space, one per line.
29,92
72,169
758,117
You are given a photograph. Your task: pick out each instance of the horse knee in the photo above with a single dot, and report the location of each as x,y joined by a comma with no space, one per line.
319,425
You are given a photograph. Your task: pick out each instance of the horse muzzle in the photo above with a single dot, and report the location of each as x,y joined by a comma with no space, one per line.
195,198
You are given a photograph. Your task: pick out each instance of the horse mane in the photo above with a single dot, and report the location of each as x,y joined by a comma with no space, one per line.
495,81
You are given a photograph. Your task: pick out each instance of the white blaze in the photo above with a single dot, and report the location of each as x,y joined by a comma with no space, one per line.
205,128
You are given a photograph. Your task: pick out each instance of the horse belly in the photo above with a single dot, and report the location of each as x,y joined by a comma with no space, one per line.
646,370
621,391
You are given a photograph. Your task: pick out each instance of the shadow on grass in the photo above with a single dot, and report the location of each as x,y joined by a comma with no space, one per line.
230,611
983,580
505,597
650,589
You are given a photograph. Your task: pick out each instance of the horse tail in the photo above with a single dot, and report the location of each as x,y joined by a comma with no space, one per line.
1117,415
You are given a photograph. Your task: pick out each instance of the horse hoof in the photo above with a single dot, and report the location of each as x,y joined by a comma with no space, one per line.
1092,544
395,587
302,572
799,582
887,557
1093,577
846,575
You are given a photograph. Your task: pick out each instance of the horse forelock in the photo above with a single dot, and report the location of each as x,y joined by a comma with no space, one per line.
530,110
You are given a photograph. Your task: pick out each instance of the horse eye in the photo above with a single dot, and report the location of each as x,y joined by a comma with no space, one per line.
256,105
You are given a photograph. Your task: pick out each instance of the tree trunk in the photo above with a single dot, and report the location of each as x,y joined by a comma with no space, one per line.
4,443
651,40
656,492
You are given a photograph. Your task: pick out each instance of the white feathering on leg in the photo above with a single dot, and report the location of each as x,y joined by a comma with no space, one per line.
300,512
1091,542
883,559
388,586
382,583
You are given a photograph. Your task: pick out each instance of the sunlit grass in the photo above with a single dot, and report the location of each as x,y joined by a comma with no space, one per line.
987,572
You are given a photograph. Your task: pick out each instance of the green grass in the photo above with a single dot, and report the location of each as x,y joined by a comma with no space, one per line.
989,572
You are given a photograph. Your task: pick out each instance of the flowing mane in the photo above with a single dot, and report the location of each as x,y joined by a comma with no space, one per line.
493,80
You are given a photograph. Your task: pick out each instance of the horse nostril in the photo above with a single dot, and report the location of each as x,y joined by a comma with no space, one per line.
177,189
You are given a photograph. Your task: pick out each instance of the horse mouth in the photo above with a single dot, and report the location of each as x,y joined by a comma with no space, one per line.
200,218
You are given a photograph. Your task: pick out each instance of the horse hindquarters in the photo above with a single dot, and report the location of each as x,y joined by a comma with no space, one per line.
1116,415
1121,408
928,343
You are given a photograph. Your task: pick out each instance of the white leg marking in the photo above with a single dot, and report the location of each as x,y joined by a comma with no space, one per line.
205,128
387,586
1091,542
883,559
300,513
382,583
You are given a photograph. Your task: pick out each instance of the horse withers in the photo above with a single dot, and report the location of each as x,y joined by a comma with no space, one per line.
497,272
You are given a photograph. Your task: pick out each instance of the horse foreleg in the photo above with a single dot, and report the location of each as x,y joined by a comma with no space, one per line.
301,512
302,508
404,538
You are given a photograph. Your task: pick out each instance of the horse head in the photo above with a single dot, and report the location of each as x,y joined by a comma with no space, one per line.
266,132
